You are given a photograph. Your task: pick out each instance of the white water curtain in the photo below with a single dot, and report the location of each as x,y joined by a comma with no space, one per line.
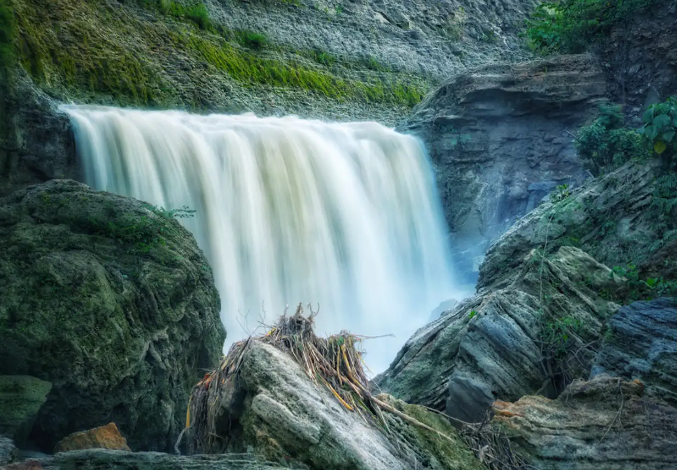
288,211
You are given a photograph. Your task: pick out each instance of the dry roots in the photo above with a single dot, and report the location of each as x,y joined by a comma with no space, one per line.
493,447
333,362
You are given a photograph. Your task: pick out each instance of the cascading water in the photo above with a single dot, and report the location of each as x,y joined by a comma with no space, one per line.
288,211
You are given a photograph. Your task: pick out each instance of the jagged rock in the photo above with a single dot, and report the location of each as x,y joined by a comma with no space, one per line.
7,450
610,217
111,302
36,141
103,437
497,137
491,346
21,398
606,423
103,459
276,410
641,57
641,343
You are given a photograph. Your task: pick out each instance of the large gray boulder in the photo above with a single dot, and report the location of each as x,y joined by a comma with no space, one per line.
641,343
530,335
499,138
606,423
21,398
272,408
110,301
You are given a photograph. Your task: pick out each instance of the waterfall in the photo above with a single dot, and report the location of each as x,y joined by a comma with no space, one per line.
344,216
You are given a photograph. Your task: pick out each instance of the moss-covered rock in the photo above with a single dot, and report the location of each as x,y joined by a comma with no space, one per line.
109,300
21,397
273,409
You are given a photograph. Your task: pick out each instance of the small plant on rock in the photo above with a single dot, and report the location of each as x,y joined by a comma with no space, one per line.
607,144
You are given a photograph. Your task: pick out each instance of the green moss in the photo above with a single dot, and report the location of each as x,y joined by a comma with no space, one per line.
91,51
248,68
450,453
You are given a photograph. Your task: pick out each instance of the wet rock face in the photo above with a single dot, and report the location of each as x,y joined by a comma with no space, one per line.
497,345
641,58
642,344
112,303
36,142
7,450
606,423
499,139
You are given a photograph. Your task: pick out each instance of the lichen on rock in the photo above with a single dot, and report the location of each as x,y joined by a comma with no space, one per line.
111,302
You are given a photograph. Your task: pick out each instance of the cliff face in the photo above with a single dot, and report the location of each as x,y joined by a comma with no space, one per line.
330,59
500,138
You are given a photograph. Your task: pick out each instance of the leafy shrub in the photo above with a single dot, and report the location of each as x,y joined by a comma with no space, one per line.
325,58
660,127
253,40
570,26
607,144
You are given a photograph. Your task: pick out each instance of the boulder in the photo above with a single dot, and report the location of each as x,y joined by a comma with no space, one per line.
7,450
21,398
274,409
103,437
112,302
607,423
641,343
500,140
531,335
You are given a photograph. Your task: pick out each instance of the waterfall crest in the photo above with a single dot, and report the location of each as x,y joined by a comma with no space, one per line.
288,211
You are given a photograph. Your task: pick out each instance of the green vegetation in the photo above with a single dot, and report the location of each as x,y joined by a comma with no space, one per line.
561,192
248,68
660,127
253,40
92,51
607,144
195,12
557,336
7,32
571,26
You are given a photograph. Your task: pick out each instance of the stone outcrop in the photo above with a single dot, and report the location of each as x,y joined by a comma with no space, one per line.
500,139
606,423
641,58
36,141
275,410
21,398
110,301
612,218
510,341
103,437
641,343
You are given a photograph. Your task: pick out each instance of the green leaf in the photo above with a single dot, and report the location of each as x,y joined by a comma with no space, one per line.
651,132
669,135
648,116
661,121
660,147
